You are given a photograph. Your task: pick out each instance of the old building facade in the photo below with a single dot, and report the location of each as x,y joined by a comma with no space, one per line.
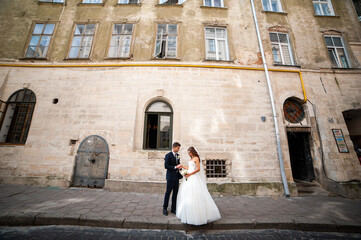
95,91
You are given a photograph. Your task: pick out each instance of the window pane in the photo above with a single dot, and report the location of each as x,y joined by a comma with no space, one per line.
329,42
89,29
274,37
87,41
38,29
337,41
286,55
326,9
162,29
342,57
45,40
30,52
274,4
164,132
172,29
210,32
283,38
172,47
208,3
117,28
128,28
331,53
276,54
123,1
158,48
222,54
317,9
115,41
113,52
159,107
73,52
34,40
217,3
79,29
266,5
211,49
76,41
49,28
84,52
221,33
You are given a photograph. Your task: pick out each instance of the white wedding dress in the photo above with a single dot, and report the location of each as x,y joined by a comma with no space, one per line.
195,205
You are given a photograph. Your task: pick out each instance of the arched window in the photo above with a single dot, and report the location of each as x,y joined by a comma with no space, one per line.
18,114
158,126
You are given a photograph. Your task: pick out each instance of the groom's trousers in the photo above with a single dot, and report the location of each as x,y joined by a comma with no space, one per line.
172,185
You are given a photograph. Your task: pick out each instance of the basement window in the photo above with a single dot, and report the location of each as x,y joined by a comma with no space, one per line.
216,168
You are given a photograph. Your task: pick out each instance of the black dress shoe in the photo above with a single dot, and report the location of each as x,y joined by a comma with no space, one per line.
173,211
165,212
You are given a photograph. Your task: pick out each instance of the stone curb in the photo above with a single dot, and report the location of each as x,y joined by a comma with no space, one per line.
35,219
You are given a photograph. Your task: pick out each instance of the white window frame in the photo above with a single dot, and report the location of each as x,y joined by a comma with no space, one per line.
269,5
212,4
288,44
121,44
128,1
92,1
335,53
164,37
216,42
320,3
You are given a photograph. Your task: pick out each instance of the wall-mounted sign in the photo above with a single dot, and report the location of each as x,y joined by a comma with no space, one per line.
340,140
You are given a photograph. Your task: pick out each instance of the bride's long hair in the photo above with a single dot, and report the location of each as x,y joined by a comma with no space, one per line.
194,152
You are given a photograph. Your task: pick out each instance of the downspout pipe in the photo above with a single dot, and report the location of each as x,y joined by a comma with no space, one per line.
284,180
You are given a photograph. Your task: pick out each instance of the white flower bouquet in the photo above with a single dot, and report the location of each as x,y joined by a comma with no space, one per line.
184,172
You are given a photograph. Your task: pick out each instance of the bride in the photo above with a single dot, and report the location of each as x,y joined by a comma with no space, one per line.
194,203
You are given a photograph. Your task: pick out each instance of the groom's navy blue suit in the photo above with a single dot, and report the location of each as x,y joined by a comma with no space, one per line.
173,176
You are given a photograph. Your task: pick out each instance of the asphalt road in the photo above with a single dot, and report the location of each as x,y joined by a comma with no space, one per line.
94,233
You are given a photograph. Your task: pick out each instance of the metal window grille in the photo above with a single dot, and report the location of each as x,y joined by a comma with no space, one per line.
216,168
293,111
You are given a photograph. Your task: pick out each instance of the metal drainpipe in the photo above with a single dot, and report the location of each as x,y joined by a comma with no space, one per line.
284,180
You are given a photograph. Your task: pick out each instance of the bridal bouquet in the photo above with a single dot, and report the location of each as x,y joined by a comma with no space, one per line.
184,172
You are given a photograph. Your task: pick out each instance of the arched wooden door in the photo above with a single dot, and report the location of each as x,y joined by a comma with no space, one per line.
91,167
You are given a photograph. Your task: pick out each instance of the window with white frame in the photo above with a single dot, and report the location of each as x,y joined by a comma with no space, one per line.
92,1
272,5
213,3
281,48
128,1
121,41
53,1
216,44
323,7
82,41
40,40
336,51
166,42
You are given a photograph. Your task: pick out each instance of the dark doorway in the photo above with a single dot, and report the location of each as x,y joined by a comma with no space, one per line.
300,154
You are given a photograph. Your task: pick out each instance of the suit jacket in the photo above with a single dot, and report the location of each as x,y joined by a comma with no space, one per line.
169,163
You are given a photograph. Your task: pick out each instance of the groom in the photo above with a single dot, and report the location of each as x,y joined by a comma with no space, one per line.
171,162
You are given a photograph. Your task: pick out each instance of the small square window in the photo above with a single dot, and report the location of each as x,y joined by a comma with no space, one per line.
216,168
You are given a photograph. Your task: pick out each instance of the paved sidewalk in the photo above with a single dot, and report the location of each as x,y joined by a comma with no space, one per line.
24,205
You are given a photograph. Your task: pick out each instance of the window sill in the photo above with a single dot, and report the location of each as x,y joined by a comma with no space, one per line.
119,58
91,4
53,3
213,60
128,4
223,8
331,16
281,13
12,144
166,59
34,59
282,65
169,5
